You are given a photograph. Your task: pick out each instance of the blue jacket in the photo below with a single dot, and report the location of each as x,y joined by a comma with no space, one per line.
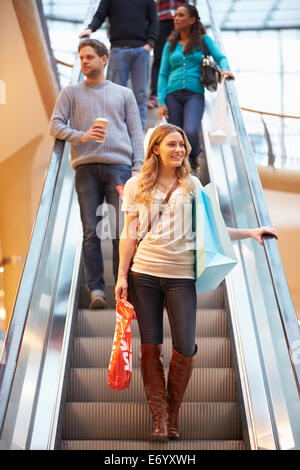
179,71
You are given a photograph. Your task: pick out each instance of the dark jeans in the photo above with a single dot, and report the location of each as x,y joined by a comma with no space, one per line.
164,30
185,110
149,294
93,182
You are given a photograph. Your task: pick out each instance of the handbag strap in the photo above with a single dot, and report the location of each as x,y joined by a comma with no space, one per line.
165,201
204,47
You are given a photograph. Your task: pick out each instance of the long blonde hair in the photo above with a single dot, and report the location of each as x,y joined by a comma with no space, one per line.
150,170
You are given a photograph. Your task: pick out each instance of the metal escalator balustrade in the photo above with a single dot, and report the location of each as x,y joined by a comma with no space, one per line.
39,327
35,351
262,316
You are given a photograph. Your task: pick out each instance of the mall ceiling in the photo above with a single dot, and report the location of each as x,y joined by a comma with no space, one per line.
253,14
230,14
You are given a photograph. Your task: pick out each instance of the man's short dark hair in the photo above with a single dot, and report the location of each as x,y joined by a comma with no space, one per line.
99,47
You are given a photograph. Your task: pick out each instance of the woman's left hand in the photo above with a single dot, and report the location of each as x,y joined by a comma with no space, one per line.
163,112
121,288
258,233
227,74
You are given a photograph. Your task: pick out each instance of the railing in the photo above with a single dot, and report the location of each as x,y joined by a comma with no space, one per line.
280,284
267,307
274,138
20,311
34,347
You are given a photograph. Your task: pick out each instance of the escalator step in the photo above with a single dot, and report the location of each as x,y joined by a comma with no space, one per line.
210,322
96,352
132,421
97,417
146,445
206,385
210,299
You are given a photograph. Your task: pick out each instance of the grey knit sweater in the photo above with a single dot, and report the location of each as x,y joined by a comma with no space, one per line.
77,107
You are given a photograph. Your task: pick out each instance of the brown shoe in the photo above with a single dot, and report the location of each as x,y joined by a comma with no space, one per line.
180,371
155,388
97,302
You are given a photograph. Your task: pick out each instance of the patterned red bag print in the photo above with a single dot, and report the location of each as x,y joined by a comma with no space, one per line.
120,366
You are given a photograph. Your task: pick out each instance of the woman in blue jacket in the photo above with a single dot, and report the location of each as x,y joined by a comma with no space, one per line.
180,92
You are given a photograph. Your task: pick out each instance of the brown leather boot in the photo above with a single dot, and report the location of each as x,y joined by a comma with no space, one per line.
155,388
180,371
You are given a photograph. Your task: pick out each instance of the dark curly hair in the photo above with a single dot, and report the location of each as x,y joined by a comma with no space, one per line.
197,30
99,47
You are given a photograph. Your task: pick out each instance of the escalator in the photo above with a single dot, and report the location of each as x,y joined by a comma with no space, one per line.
210,415
244,391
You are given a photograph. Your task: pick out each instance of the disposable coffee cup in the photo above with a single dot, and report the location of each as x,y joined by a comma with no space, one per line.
104,122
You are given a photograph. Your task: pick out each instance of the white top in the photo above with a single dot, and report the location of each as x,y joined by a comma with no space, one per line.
168,249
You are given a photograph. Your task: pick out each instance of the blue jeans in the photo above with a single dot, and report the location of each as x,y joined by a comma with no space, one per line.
133,62
93,182
149,294
186,110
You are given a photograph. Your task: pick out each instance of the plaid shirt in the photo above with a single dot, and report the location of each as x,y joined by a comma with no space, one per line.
166,8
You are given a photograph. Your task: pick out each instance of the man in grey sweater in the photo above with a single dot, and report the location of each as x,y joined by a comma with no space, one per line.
99,167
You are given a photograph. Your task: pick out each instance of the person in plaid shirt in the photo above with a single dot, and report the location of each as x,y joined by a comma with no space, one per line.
165,13
166,8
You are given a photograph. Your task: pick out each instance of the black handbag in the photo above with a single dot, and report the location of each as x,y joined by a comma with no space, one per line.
210,73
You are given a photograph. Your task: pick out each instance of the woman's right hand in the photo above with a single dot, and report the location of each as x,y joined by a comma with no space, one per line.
163,112
121,289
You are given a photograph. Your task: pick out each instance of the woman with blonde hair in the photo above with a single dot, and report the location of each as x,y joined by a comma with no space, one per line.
158,212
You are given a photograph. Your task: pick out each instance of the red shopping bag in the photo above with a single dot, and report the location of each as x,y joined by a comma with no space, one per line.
120,366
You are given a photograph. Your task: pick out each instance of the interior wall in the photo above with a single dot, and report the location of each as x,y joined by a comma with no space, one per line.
282,193
25,142
284,210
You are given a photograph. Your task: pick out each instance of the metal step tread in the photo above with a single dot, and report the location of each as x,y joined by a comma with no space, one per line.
96,351
147,445
92,323
206,385
133,421
210,299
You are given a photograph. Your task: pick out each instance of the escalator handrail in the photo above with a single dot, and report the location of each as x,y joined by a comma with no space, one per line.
13,339
16,328
20,310
281,290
